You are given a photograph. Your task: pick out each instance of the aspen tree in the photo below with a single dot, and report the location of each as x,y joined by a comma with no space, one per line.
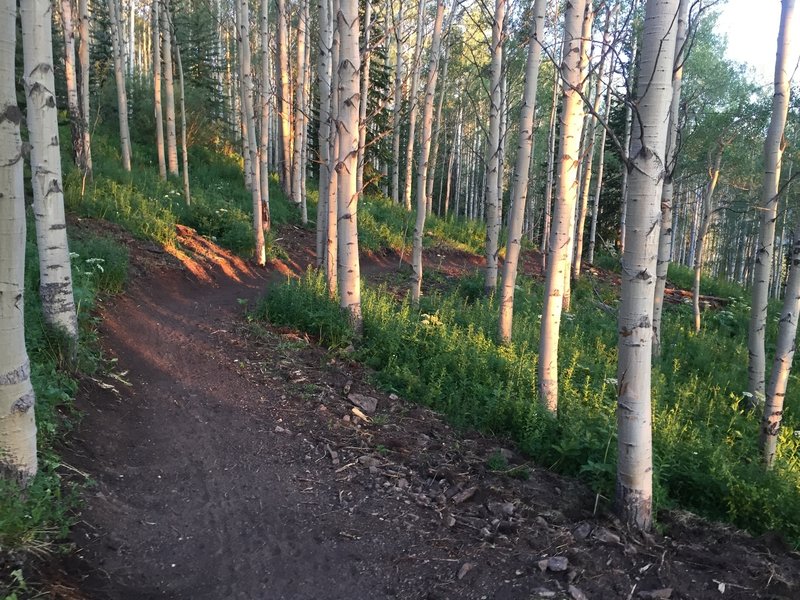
437,126
83,61
558,259
300,113
169,90
362,109
332,220
416,67
347,158
492,174
55,275
73,104
768,206
599,184
424,153
522,168
784,354
324,67
263,153
284,99
248,115
626,146
634,497
398,104
187,194
551,159
158,110
17,422
119,74
665,239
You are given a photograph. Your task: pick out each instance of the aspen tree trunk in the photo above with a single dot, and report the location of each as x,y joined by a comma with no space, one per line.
591,136
324,67
665,239
558,261
187,194
493,148
263,154
437,124
397,108
122,95
347,192
551,159
521,172
362,109
784,354
17,423
768,206
299,115
627,150
162,162
169,90
332,220
73,105
705,222
243,18
284,99
634,498
414,105
83,61
599,183
424,154
55,275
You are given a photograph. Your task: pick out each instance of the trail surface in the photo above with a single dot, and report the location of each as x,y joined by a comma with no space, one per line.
231,465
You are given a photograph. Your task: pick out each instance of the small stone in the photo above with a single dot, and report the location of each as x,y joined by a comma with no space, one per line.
369,461
543,593
542,564
557,564
663,594
576,594
602,534
485,533
347,386
373,470
540,520
582,531
322,408
366,403
279,429
450,521
465,495
346,418
394,397
465,568
402,483
501,508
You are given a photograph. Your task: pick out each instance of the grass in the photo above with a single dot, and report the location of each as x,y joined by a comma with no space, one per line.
444,356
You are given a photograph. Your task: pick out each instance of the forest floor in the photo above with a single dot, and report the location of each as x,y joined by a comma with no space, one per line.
228,461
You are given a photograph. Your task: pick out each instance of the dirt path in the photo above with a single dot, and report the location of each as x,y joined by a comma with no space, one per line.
232,466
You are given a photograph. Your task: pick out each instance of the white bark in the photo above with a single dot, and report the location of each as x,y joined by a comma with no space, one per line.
187,194
414,105
768,205
634,496
83,60
17,423
493,148
169,91
299,114
396,109
558,260
705,222
665,239
347,158
285,106
324,67
332,220
122,94
424,154
158,110
73,105
263,153
55,278
521,171
362,109
243,18
784,354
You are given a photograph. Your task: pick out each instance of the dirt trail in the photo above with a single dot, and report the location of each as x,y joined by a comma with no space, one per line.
232,466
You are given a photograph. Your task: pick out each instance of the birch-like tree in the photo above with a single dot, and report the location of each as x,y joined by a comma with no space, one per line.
83,61
424,154
263,153
17,424
158,109
522,168
558,253
300,113
55,274
73,104
169,90
634,498
326,170
118,49
348,93
768,205
284,97
416,67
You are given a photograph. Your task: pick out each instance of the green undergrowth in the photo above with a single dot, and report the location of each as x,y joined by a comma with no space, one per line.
33,519
443,355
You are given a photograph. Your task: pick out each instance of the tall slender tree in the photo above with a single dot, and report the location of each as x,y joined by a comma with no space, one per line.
83,61
117,49
169,90
157,107
17,423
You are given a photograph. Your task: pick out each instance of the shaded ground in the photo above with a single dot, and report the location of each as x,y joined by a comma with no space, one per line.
233,465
